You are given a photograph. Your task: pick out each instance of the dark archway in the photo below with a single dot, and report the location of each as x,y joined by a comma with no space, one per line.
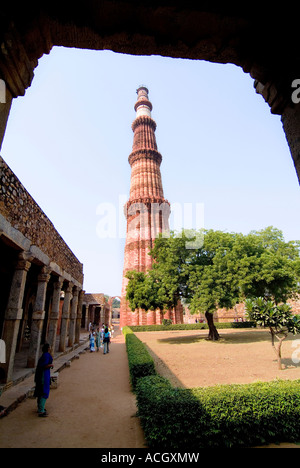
8,261
251,38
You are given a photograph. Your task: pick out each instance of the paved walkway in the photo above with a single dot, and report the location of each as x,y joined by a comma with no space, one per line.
93,406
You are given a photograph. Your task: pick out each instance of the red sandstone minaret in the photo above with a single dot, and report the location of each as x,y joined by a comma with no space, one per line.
147,212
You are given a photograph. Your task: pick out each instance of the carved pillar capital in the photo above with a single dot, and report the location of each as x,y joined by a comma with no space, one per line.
69,289
24,261
75,291
44,275
58,283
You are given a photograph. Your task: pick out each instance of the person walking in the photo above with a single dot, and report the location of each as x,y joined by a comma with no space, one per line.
106,341
43,380
92,342
98,339
102,336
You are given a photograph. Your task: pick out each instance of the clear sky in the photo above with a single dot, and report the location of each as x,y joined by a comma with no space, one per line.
68,141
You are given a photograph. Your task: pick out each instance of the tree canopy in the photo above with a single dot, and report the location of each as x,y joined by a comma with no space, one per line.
217,270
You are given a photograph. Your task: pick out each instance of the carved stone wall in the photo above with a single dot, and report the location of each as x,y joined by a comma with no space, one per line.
19,208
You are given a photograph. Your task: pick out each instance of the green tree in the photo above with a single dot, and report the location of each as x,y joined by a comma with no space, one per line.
212,281
199,274
140,292
266,265
147,291
278,318
213,269
170,258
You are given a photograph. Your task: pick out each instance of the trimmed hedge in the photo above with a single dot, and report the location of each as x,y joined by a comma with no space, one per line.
140,362
213,417
191,326
218,417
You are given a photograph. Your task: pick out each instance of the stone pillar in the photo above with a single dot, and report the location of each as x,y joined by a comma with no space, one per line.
73,316
102,315
16,67
4,113
38,318
14,312
65,318
87,318
52,332
291,125
290,115
110,315
79,317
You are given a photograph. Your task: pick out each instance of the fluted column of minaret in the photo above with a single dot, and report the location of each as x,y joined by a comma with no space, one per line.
147,211
145,160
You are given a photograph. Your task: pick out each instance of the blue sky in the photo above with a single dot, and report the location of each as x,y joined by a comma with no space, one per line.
68,141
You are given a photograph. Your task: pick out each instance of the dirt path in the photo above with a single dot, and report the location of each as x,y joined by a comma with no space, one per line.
93,407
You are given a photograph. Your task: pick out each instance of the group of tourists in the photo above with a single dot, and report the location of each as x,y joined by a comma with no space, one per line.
101,338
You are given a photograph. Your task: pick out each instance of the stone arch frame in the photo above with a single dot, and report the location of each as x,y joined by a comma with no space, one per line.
218,32
110,303
111,300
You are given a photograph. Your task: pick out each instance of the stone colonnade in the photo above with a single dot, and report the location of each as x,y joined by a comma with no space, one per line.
46,314
96,310
41,280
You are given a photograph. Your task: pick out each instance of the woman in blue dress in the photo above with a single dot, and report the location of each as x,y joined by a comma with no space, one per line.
92,342
43,380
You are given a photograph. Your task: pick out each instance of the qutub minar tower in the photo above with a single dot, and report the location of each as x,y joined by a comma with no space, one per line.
147,211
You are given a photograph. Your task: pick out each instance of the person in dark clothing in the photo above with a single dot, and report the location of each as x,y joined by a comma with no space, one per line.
106,341
43,380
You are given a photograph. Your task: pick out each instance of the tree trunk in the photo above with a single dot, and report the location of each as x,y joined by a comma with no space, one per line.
213,332
279,354
161,315
278,349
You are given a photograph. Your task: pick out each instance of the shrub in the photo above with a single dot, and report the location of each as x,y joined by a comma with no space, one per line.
191,326
167,322
221,416
140,361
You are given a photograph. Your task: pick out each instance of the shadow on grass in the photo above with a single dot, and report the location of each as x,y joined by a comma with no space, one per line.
238,337
185,339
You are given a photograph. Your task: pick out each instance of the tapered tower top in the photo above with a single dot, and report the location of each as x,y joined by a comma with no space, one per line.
144,128
143,106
